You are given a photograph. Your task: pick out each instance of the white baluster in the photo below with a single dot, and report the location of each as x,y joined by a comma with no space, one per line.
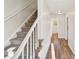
27,49
23,54
33,46
36,37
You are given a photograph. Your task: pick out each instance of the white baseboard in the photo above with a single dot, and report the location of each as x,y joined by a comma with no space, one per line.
45,47
6,43
71,49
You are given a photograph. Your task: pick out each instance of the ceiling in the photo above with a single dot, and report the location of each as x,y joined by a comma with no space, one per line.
64,6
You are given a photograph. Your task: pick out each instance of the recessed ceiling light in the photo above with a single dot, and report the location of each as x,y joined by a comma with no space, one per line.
59,12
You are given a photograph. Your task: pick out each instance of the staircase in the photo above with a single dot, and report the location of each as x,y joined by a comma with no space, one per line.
26,35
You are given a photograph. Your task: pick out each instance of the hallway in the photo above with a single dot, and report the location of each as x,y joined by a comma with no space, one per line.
62,50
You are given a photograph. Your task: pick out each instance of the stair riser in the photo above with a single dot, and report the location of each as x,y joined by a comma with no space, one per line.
26,29
21,34
33,19
28,24
30,21
5,50
16,42
17,39
25,54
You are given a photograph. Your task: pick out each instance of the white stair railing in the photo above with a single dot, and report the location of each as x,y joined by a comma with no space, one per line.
29,43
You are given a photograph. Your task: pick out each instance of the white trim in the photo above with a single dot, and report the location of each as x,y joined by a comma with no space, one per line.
15,12
71,48
53,51
6,43
42,54
14,34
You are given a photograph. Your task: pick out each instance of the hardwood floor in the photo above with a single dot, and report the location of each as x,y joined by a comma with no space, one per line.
62,50
49,56
66,50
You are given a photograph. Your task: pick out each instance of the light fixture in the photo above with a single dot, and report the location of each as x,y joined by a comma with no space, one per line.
59,12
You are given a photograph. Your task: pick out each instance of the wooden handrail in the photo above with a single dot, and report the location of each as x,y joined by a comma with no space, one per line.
52,51
24,42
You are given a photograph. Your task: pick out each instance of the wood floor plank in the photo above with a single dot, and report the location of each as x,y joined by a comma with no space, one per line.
49,56
62,50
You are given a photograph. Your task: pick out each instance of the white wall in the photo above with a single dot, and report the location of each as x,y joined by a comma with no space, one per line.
71,31
44,33
44,19
61,27
16,12
44,28
46,22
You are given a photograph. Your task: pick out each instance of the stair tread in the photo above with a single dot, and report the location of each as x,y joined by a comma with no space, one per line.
16,42
21,34
38,50
16,39
10,46
32,19
28,24
25,29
